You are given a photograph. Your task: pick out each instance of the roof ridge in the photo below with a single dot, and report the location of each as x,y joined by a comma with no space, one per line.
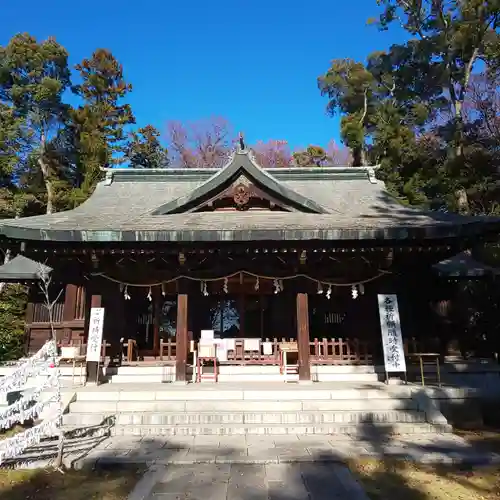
241,162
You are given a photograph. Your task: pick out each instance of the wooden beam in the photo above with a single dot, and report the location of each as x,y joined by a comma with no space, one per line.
69,310
181,337
28,321
303,337
157,305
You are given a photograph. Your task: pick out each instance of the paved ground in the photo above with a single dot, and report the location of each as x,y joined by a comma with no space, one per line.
89,451
249,482
444,448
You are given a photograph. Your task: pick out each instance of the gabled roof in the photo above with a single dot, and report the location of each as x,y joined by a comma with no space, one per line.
330,203
241,164
464,265
20,268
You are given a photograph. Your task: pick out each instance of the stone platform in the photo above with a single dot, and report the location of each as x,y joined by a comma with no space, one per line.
430,448
229,409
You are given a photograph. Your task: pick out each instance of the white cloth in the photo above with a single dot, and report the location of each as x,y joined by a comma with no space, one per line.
207,335
230,344
206,350
267,348
221,349
251,344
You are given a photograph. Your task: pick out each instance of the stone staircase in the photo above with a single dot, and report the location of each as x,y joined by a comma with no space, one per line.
163,410
161,373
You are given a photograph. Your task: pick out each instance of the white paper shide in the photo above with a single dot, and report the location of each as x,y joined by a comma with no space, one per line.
95,334
392,340
42,368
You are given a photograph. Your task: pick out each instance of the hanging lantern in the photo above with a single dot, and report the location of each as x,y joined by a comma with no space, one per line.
320,288
225,286
329,292
164,289
361,289
125,293
354,292
150,295
276,286
257,284
204,288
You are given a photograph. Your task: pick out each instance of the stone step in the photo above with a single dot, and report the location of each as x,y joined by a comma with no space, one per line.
284,418
371,430
83,419
243,405
264,418
213,393
140,379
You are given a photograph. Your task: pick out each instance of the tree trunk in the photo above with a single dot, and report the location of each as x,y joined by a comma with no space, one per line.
48,185
358,157
363,157
459,119
462,201
44,284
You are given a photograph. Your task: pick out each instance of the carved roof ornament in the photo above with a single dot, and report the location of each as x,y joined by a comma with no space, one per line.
241,196
243,179
241,142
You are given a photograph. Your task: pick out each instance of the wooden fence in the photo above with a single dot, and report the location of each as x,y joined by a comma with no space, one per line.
267,352
322,352
340,352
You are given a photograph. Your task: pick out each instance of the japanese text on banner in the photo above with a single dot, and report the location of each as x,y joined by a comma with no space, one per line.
392,341
95,333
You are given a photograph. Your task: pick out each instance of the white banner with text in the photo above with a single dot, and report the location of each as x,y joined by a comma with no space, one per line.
94,342
392,339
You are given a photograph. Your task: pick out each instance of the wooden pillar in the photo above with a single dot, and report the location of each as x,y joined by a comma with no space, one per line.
70,297
114,322
303,337
181,337
157,305
30,310
92,375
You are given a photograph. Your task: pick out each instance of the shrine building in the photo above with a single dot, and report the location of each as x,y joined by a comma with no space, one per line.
260,257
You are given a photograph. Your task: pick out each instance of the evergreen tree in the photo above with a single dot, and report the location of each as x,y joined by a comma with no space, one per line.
350,88
99,124
33,78
144,149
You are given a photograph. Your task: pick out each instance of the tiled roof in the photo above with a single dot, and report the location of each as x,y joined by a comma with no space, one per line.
20,268
330,203
464,265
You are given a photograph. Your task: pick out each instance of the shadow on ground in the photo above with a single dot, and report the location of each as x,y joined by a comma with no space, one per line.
382,461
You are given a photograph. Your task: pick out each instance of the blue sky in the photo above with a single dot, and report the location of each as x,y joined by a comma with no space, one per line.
253,62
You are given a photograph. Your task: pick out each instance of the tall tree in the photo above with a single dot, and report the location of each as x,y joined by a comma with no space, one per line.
273,153
12,144
33,78
202,143
350,89
100,122
452,37
435,69
144,149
